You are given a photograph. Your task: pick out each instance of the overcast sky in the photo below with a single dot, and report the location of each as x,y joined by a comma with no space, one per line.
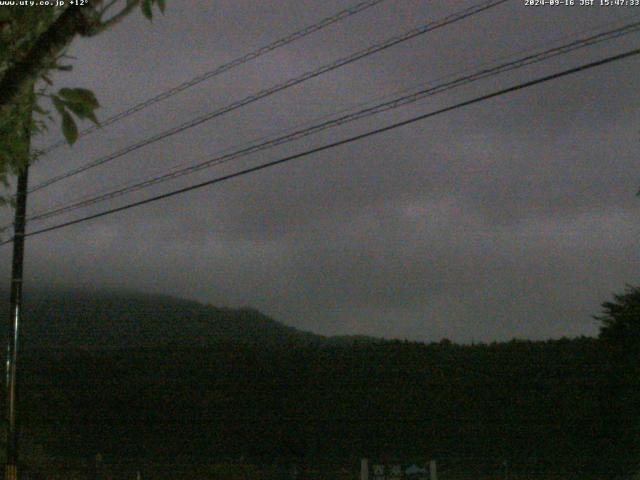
515,217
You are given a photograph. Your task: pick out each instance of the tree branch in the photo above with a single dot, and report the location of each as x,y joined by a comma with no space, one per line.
99,28
45,50
84,21
107,7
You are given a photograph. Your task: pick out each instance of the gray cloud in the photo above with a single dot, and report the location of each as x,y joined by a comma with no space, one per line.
515,217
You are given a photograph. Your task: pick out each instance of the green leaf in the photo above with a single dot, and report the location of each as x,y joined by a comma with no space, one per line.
82,110
69,128
79,95
38,109
161,5
58,103
146,9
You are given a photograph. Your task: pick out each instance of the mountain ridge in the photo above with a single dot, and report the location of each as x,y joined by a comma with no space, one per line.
108,319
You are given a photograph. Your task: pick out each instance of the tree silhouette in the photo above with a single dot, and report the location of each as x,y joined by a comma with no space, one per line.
33,44
619,389
620,319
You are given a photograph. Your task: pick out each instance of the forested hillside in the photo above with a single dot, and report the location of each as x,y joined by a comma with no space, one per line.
107,320
546,408
550,406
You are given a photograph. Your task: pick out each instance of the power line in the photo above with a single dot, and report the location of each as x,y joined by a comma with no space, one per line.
366,112
279,87
455,17
236,149
289,158
88,200
236,62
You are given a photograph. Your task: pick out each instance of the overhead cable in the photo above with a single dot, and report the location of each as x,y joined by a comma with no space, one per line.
236,62
350,117
482,98
452,18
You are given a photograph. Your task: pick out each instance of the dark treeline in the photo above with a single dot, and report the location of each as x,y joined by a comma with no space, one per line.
543,406
569,407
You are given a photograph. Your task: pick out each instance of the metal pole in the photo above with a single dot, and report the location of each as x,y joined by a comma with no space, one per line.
364,469
15,316
433,470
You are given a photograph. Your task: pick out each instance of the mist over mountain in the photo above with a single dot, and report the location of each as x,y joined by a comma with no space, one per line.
111,319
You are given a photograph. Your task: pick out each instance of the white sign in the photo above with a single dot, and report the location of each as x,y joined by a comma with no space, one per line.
395,472
378,472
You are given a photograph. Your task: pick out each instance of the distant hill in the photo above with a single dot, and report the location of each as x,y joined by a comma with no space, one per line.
108,320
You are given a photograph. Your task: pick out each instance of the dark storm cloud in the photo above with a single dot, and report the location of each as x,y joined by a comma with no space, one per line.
515,217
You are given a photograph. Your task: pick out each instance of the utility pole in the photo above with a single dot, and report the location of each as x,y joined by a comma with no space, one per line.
364,469
15,317
15,301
